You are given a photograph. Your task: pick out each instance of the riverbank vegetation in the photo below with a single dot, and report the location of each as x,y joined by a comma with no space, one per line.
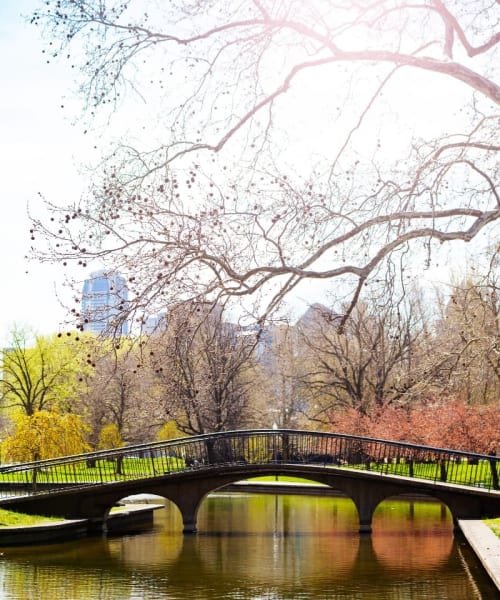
10,518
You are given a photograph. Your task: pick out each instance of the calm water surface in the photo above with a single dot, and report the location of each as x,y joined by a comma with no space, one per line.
259,547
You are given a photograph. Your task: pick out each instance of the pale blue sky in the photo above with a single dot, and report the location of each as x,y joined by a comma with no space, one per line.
36,148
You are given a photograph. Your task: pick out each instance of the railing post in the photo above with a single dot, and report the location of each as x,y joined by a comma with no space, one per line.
285,447
442,470
494,473
34,478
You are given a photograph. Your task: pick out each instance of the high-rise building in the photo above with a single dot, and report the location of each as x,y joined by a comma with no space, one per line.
104,300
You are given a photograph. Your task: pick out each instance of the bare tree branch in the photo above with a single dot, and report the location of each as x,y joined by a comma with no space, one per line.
219,199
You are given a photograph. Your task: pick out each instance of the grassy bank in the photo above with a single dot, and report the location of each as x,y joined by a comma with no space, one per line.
494,525
14,519
9,518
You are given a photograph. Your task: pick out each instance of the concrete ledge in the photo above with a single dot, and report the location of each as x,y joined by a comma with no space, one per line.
55,531
485,544
280,487
129,519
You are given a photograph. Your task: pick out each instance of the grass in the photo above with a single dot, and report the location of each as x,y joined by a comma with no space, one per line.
101,470
9,518
494,525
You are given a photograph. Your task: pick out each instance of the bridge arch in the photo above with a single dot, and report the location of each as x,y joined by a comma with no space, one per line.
181,497
188,495
132,502
190,491
367,495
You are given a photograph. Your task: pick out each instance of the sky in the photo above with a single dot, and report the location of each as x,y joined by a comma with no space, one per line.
40,149
37,152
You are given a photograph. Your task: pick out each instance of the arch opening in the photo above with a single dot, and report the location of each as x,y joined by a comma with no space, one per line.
229,508
139,512
418,513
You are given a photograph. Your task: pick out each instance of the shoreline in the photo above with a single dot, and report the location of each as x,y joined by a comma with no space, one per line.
485,544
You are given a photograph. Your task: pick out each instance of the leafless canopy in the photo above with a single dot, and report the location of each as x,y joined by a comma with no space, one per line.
266,144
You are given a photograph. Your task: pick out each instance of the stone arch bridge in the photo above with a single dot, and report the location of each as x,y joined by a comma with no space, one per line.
185,470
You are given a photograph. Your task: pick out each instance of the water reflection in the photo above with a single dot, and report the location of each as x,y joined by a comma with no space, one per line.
258,547
401,526
285,537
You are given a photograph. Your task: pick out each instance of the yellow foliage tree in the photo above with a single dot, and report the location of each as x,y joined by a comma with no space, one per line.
46,434
110,437
169,431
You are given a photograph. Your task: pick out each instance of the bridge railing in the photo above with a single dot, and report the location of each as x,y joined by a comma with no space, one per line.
252,447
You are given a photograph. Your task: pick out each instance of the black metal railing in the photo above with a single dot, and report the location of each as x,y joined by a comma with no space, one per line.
252,447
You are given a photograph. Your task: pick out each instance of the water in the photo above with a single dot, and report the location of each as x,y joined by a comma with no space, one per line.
259,547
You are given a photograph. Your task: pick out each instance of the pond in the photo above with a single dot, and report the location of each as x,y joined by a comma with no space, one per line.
265,547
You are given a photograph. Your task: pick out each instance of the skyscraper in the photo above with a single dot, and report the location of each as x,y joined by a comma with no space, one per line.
104,299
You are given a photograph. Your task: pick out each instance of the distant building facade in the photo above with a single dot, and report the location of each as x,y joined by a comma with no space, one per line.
104,300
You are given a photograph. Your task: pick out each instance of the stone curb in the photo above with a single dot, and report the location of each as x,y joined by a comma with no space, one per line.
71,529
485,544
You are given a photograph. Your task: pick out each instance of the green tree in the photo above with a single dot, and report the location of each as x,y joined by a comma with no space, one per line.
41,373
109,438
168,431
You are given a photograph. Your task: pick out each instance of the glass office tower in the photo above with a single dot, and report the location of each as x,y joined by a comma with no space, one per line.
104,299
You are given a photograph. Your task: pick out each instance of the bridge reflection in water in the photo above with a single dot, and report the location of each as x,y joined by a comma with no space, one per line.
185,470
